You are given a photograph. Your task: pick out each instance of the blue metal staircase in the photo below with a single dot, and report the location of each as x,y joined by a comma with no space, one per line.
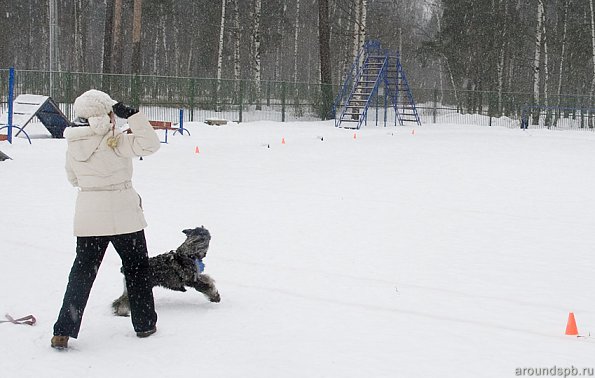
375,71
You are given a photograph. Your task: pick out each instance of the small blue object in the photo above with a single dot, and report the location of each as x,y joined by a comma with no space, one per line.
200,266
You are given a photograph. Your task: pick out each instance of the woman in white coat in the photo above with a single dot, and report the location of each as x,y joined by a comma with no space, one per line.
108,209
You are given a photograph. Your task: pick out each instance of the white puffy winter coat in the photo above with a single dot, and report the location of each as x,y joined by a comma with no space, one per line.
107,204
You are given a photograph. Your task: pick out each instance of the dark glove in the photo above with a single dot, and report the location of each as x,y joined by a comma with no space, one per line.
123,111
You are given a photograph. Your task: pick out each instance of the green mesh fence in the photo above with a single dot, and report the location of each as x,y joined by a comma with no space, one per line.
161,98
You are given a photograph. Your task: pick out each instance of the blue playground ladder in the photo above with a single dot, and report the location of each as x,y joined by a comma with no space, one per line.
407,111
379,67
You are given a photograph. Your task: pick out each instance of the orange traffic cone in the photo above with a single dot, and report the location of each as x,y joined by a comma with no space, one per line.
571,329
282,140
196,150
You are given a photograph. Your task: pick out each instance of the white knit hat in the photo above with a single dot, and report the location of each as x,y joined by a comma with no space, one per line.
93,103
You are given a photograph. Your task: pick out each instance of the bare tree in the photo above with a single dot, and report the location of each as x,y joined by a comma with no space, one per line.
78,53
256,46
295,41
136,37
537,59
562,54
280,44
325,58
117,38
356,28
359,26
220,53
107,37
591,92
502,58
546,73
236,46
362,22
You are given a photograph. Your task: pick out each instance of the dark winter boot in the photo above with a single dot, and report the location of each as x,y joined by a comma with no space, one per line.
146,333
60,342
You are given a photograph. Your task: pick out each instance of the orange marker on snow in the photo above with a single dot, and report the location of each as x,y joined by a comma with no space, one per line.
571,329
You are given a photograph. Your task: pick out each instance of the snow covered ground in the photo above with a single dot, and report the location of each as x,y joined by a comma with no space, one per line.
456,251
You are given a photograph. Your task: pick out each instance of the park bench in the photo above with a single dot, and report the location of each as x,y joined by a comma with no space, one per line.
166,125
215,121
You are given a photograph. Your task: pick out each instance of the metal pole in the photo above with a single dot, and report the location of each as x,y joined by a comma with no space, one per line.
181,121
241,101
10,102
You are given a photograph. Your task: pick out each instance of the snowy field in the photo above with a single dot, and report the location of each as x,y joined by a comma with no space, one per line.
456,251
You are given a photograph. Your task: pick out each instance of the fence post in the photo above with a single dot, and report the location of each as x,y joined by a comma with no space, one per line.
10,100
192,84
69,92
241,100
181,125
435,105
283,96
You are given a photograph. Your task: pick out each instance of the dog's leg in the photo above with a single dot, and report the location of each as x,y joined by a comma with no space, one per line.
206,285
121,306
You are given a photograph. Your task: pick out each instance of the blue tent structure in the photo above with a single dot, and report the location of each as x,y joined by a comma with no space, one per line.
27,106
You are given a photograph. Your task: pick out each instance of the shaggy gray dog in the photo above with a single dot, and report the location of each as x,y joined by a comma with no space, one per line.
177,269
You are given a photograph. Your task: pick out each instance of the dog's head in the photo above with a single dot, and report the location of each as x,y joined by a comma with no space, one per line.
196,244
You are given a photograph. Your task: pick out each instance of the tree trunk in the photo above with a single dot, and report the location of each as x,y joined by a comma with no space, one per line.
362,24
256,39
177,49
295,42
107,37
191,43
537,59
237,35
78,55
156,52
280,44
502,59
162,26
356,30
220,54
546,75
562,57
325,59
136,37
591,92
359,28
30,40
346,61
117,38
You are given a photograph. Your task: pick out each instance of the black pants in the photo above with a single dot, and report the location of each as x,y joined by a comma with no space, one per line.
132,249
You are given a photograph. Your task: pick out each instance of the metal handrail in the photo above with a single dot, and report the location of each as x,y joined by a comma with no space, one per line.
409,95
343,90
355,83
381,75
